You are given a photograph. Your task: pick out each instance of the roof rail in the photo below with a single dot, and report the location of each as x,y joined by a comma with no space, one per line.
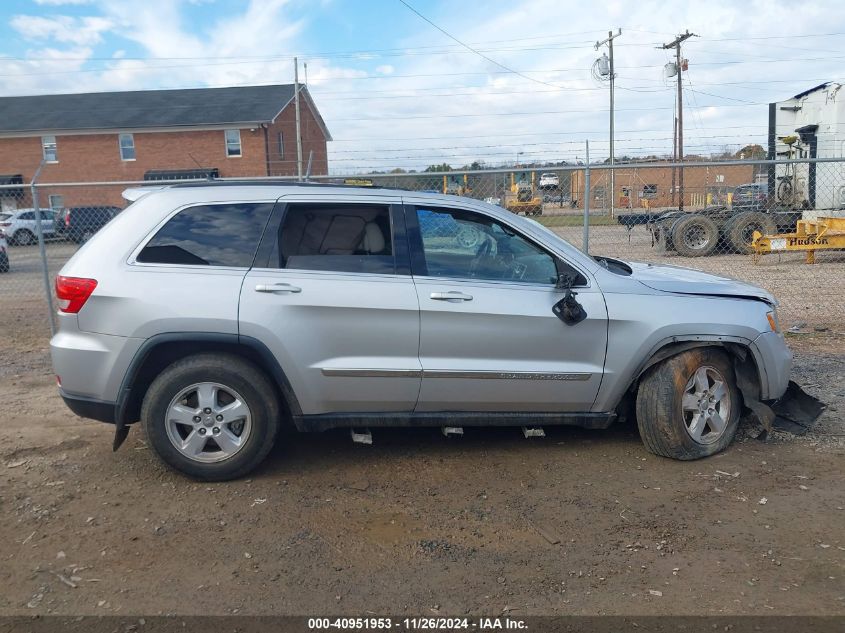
270,183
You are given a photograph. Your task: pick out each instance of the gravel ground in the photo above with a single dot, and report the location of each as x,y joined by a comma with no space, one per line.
581,522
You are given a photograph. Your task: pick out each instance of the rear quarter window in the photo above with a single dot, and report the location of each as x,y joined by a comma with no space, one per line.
209,235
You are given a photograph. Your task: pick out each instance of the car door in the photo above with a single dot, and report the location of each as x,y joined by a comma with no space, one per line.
48,222
331,295
489,340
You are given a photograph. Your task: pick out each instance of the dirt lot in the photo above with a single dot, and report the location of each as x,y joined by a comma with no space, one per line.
577,523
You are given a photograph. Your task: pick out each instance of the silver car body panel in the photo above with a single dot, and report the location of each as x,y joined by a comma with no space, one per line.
90,365
377,343
348,342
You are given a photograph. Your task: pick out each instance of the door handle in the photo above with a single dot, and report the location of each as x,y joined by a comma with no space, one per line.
274,288
452,295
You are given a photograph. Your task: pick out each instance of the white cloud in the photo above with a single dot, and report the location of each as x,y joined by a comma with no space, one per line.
373,97
58,3
62,28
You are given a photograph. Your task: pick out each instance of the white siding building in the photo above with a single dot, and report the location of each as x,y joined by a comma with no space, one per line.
817,117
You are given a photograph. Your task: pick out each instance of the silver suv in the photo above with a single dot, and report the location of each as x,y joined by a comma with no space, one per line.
215,313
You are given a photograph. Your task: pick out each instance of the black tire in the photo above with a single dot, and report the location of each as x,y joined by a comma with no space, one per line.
660,413
662,234
229,370
24,237
740,229
695,235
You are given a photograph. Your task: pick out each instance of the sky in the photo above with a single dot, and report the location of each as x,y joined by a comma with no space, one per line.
396,91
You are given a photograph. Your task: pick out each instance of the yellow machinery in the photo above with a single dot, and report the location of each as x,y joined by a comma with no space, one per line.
809,236
523,197
456,185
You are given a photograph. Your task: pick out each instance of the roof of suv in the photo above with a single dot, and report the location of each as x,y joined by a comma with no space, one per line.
133,193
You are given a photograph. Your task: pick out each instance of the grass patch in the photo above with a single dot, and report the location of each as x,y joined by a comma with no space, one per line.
575,220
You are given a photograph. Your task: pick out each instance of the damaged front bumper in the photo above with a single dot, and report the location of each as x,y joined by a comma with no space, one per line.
787,406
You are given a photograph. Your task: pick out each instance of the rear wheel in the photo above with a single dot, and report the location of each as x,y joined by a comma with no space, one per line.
740,229
24,237
688,406
695,235
212,417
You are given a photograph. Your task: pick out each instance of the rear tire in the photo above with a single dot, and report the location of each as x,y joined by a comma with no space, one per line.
232,376
24,237
695,235
673,410
740,229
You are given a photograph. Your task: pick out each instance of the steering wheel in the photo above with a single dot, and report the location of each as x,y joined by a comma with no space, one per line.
481,252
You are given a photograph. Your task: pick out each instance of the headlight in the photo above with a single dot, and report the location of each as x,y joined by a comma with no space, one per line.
774,324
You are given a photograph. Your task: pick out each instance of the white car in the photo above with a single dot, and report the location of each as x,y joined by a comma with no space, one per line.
4,253
549,181
19,225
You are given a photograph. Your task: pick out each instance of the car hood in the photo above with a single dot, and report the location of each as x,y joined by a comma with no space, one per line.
693,282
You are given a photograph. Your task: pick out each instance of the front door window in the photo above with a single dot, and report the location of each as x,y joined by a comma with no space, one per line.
466,245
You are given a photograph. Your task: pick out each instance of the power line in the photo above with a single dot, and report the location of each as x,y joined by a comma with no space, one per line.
477,52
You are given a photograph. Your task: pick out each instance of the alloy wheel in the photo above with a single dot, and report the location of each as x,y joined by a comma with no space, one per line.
208,422
706,405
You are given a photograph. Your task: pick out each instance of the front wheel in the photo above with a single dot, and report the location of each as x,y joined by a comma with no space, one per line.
688,406
212,417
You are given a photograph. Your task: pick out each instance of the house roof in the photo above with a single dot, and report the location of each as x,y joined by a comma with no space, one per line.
140,109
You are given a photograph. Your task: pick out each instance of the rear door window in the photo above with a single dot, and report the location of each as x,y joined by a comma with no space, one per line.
353,238
209,235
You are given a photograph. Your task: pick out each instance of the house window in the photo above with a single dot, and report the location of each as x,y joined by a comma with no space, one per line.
48,146
57,202
281,145
649,192
233,143
127,146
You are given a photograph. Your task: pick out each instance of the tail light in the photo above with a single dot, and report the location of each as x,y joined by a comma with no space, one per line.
5,224
73,292
67,217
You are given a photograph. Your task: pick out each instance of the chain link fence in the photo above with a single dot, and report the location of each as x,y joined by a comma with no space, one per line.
697,215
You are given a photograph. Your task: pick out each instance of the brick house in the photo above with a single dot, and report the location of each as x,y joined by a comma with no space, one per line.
152,135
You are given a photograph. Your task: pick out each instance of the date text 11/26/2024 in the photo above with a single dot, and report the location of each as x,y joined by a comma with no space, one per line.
417,624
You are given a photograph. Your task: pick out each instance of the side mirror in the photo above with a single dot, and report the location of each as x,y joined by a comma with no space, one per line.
568,309
565,281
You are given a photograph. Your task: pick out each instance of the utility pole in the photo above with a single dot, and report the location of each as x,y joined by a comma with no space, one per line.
674,155
676,44
609,42
585,246
298,122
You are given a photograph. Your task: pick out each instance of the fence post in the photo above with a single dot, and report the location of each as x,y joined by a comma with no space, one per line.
41,248
586,245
